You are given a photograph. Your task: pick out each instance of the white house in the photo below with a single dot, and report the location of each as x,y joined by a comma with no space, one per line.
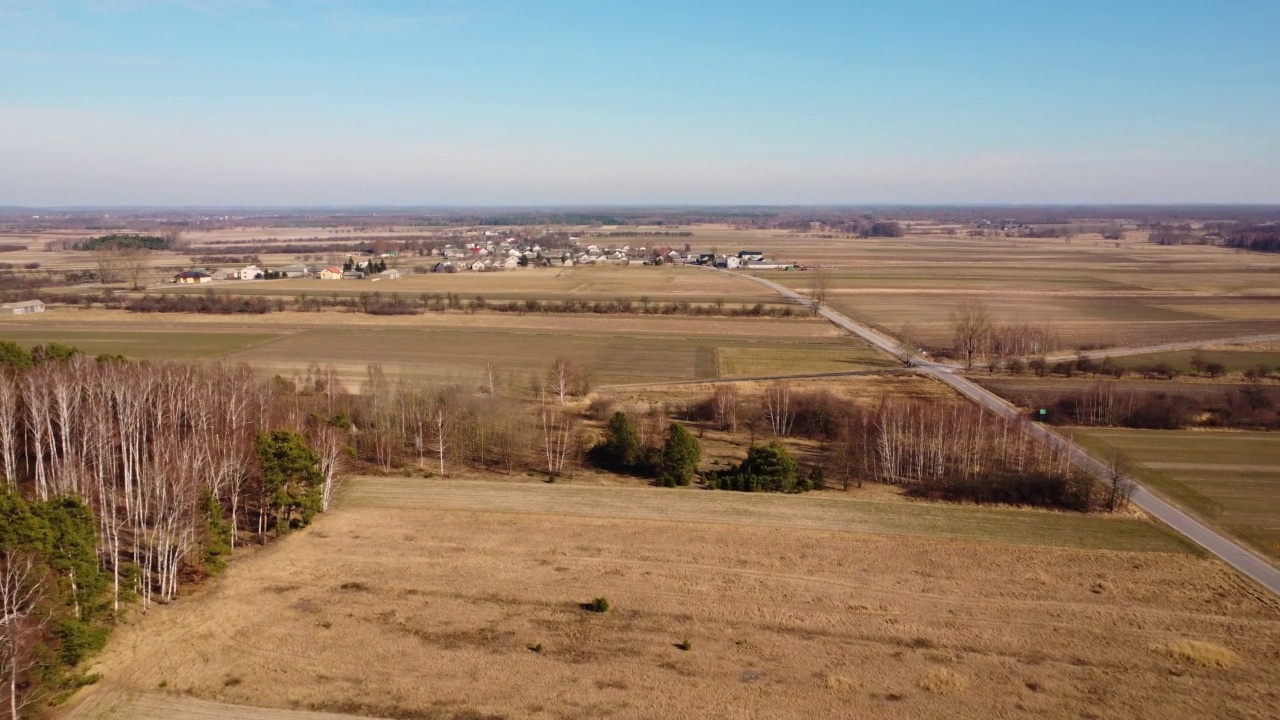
25,307
250,272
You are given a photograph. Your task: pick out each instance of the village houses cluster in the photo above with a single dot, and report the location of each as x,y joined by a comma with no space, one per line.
490,254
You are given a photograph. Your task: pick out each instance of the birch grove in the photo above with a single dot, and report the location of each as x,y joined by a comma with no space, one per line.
142,444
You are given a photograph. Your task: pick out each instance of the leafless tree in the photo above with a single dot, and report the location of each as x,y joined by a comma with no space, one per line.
110,265
440,423
491,378
134,262
330,444
557,438
1119,485
821,288
560,378
10,396
724,407
778,410
971,329
22,586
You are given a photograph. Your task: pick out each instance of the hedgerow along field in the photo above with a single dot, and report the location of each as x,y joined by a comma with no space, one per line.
1231,479
468,597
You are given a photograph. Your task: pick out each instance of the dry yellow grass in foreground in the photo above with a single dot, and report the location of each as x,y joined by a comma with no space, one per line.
421,599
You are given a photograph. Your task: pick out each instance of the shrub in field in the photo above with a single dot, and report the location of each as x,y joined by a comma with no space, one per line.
767,468
598,605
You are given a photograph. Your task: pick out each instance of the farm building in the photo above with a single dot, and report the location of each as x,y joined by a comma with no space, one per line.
251,272
293,271
391,274
330,273
750,255
25,307
192,277
225,274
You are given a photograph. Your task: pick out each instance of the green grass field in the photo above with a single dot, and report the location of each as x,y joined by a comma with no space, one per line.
1231,479
144,344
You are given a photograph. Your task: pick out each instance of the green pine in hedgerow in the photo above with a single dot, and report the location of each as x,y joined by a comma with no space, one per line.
680,456
621,449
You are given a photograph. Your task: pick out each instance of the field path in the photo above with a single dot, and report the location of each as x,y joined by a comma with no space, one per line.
1226,549
1166,347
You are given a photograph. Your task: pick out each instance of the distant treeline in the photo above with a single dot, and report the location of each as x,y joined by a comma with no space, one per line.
642,234
1253,407
379,304
1259,238
125,242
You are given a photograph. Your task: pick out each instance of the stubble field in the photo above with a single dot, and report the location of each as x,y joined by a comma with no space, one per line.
448,599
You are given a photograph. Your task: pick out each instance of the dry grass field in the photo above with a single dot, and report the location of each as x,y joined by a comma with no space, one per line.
453,599
1231,479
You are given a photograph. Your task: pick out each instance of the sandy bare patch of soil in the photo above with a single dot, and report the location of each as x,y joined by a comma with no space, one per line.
408,602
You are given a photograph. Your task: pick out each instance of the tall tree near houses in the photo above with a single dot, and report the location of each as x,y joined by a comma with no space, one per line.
971,329
134,262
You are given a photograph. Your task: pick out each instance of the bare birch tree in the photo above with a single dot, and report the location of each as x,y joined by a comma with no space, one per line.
22,586
971,329
560,378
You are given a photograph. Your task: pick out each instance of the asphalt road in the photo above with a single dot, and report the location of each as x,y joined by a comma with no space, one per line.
1229,551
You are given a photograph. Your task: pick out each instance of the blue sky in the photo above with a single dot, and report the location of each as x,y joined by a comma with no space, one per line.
267,102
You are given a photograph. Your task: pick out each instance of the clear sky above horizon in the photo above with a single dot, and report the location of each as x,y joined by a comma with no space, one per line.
271,102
